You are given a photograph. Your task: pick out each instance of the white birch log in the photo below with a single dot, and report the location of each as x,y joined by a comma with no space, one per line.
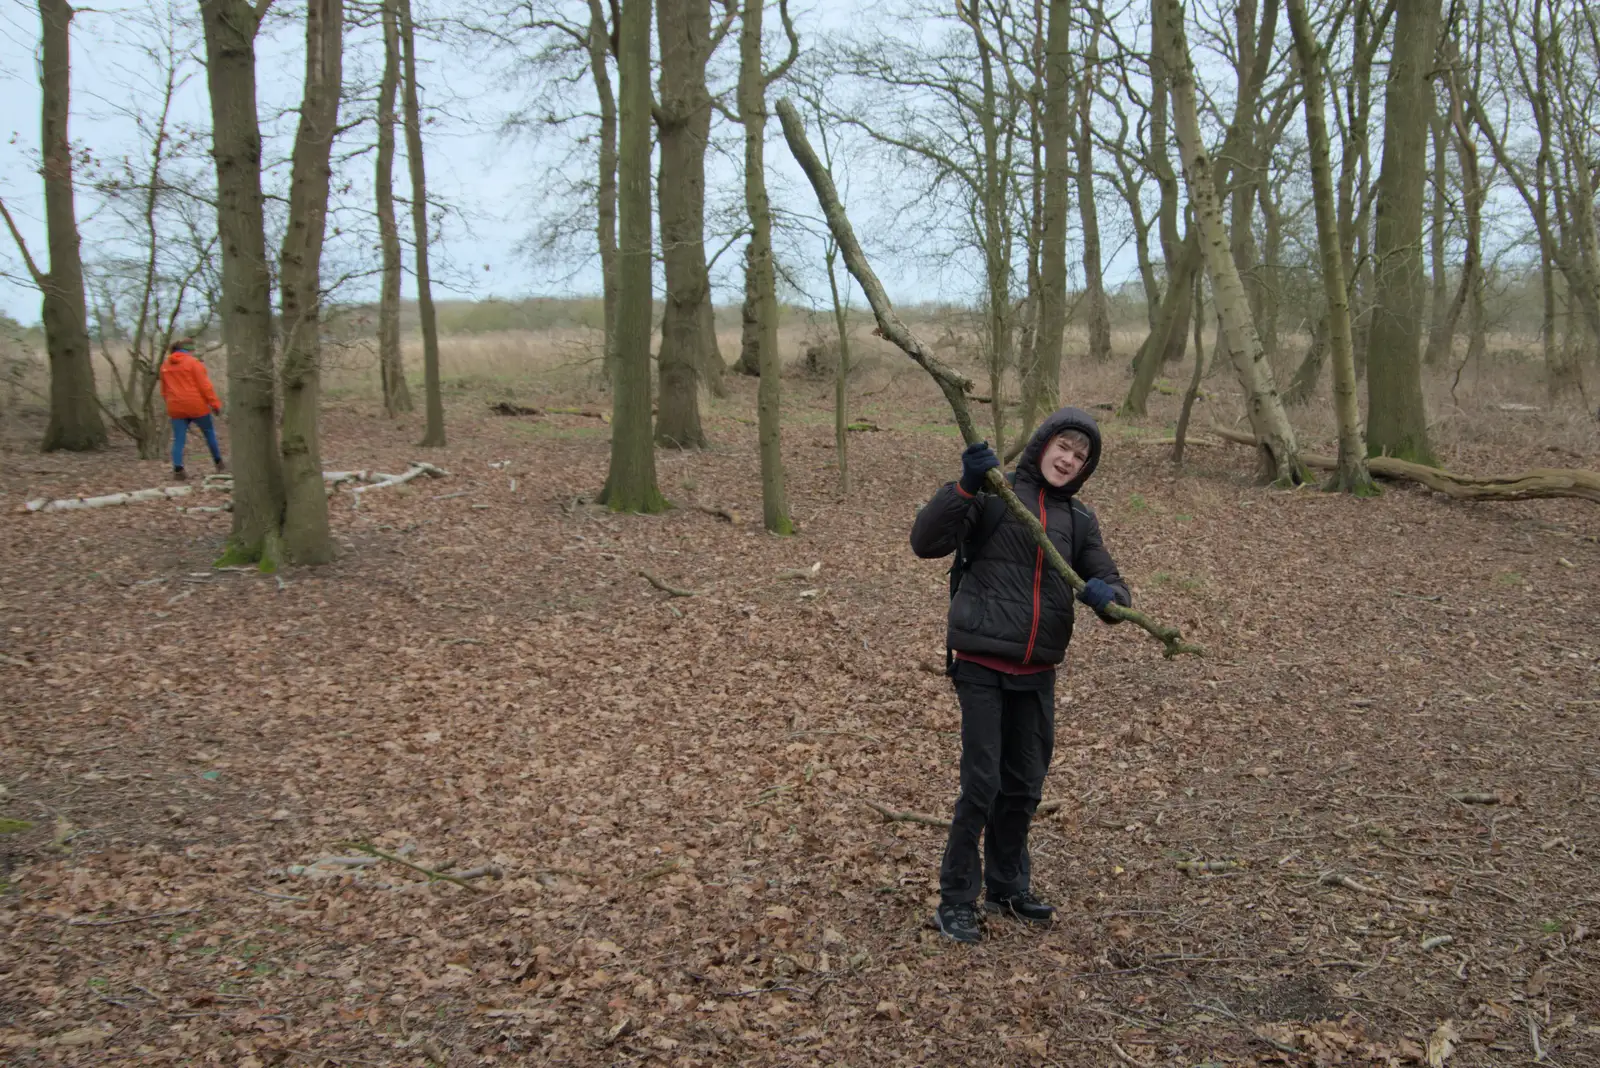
417,468
75,504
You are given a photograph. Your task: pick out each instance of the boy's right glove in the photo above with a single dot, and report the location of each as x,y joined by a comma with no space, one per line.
976,460
1097,593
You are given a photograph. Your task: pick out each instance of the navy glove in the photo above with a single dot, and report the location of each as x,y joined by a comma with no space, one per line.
976,460
1097,594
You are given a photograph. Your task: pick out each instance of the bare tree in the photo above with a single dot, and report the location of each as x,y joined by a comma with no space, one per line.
75,424
391,369
433,434
1042,391
306,537
1094,289
1352,475
631,481
761,293
258,495
683,116
1275,439
1397,422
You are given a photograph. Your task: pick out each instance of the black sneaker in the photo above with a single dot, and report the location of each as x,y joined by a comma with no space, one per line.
1023,906
960,922
221,467
178,473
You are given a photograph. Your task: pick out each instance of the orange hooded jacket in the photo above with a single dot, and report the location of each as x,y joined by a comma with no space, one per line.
187,387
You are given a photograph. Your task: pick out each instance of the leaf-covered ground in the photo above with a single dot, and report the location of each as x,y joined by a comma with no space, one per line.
676,789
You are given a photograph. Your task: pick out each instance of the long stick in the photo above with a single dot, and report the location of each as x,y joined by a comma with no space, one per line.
952,383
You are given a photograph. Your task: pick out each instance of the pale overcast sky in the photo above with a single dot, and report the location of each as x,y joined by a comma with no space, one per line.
494,184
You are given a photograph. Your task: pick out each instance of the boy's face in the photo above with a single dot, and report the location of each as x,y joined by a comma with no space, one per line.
1063,458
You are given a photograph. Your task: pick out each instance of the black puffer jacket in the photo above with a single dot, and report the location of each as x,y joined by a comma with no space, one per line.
1011,603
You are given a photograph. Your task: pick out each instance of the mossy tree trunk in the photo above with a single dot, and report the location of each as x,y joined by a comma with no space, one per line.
1278,450
762,287
1351,475
306,537
258,493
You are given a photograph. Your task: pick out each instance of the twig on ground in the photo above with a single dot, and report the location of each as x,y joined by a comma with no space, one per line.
1476,798
1430,944
131,919
801,572
1195,867
665,588
907,817
391,858
275,897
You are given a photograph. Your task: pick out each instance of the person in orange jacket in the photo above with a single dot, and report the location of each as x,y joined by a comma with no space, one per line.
190,401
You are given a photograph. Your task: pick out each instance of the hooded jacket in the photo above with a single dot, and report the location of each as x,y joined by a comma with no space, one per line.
1011,603
187,387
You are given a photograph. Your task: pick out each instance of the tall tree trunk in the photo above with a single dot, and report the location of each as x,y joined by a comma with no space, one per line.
684,119
1172,326
1397,422
606,187
1279,453
1269,288
841,377
391,367
763,290
1172,323
1042,394
1441,327
75,422
1180,434
631,482
433,435
1352,475
1094,289
306,537
258,495
1470,288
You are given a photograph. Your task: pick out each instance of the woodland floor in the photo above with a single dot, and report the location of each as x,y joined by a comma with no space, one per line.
676,788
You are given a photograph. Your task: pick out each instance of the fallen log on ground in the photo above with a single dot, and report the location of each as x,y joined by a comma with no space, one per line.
1538,483
955,386
507,408
223,483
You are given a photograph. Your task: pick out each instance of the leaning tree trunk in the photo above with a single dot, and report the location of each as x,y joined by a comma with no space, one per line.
306,537
606,187
391,367
230,35
1043,388
75,422
1397,422
1441,325
433,435
763,292
631,482
1304,383
749,361
1279,453
1168,339
1351,475
684,118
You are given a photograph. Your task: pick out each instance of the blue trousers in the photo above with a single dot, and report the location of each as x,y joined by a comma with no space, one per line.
180,434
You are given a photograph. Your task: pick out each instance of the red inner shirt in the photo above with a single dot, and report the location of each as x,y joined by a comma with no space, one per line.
1001,664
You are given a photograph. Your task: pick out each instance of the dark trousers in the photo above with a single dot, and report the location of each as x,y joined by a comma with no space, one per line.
1008,734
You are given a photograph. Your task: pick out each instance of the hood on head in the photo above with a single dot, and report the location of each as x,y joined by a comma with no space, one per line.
1064,419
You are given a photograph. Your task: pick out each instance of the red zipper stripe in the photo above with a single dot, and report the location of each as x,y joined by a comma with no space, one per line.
1038,577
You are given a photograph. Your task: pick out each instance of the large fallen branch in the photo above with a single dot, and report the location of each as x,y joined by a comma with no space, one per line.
73,504
1541,482
952,383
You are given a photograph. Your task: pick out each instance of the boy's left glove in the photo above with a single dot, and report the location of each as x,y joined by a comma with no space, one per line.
1097,593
